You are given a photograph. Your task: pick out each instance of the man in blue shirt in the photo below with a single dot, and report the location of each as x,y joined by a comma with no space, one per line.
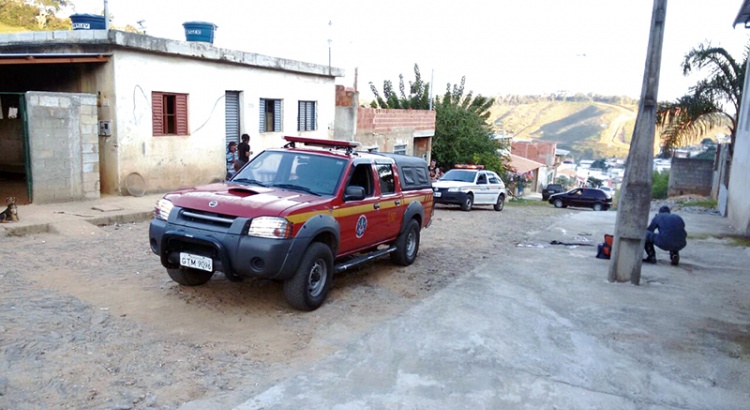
671,235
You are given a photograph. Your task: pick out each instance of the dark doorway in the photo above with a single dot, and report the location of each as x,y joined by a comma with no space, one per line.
15,170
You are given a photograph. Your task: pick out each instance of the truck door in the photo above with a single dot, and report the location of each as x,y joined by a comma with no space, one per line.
391,202
359,219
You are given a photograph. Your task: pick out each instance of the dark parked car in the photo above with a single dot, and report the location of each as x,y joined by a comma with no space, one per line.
593,198
550,190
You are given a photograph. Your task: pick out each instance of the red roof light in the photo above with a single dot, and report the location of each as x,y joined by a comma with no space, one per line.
467,166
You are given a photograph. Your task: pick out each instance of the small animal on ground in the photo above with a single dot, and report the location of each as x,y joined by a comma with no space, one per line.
10,214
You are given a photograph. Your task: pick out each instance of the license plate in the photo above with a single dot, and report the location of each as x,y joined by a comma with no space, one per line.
437,194
196,262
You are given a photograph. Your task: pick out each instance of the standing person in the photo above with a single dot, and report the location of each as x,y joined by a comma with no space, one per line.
435,172
244,151
231,158
671,237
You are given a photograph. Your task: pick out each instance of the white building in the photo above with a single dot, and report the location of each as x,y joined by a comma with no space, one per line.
166,109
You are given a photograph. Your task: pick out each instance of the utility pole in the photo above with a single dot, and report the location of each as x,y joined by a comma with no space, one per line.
635,198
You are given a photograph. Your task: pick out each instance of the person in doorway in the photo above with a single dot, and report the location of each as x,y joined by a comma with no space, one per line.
435,172
671,236
231,158
244,152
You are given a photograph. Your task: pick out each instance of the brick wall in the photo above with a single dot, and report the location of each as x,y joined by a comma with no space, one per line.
64,146
539,151
386,120
690,176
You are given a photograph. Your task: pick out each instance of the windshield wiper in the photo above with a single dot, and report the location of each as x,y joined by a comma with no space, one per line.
248,181
296,188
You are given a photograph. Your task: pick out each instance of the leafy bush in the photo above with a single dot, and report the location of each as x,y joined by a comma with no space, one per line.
660,184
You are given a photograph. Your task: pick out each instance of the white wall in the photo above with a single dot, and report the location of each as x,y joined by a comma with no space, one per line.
170,162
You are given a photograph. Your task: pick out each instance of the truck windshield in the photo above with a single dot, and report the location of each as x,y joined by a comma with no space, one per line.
296,171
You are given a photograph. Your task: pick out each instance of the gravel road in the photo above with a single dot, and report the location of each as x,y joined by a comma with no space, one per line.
94,322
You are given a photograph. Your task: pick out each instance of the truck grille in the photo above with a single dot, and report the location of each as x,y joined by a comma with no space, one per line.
207,218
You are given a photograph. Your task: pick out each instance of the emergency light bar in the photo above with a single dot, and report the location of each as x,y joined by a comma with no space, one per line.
317,142
466,166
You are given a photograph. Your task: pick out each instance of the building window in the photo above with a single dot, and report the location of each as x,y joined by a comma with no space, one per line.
306,118
169,113
399,149
270,115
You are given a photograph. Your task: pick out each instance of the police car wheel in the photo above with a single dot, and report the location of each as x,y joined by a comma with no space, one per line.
188,276
468,202
309,286
407,245
500,203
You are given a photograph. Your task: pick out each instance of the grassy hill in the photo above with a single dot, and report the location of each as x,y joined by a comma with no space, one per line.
4,28
588,129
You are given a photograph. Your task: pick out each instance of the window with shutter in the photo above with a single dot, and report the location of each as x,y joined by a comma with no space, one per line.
169,114
306,120
270,115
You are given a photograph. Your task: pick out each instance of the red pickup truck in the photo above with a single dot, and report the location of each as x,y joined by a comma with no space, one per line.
297,214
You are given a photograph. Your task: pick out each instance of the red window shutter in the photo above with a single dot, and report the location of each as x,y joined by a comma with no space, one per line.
157,113
181,114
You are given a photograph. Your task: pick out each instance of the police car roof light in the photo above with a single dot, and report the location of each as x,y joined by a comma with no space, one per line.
467,166
320,142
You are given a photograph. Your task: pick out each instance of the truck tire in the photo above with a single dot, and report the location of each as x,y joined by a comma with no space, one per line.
468,202
500,202
307,289
188,276
407,245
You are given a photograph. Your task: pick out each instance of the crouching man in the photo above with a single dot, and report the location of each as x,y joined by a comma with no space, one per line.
671,236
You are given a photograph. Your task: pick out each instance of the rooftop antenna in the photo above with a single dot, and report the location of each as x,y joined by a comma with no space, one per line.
330,40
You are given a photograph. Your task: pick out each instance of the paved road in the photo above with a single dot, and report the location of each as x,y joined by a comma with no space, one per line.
542,328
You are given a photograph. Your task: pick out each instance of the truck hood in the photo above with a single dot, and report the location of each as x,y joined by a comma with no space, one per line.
247,201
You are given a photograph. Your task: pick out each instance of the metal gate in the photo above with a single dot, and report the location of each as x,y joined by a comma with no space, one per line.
232,108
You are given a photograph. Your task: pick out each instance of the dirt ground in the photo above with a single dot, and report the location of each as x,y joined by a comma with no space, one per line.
94,322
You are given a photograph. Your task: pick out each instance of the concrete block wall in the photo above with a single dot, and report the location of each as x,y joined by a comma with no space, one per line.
690,176
64,146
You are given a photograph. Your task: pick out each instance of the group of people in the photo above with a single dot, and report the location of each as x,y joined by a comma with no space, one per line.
238,154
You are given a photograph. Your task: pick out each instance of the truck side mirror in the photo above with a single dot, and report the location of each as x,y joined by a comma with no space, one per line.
354,193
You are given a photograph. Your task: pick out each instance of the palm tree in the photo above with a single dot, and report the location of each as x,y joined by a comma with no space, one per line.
692,116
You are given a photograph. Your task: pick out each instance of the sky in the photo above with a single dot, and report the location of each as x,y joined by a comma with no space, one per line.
500,46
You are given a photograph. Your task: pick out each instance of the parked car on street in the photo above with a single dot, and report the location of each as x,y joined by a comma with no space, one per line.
469,185
593,198
607,190
550,190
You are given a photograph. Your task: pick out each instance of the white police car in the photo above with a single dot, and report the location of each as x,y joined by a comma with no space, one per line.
469,185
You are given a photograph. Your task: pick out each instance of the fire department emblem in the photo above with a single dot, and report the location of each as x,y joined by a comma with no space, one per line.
361,226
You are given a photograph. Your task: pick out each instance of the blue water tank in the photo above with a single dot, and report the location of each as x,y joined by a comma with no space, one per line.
199,31
87,22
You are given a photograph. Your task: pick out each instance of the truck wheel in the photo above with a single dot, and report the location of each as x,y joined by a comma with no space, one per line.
500,202
407,245
188,276
308,288
559,203
468,202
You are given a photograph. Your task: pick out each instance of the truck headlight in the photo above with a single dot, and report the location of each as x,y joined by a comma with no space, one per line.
270,227
163,208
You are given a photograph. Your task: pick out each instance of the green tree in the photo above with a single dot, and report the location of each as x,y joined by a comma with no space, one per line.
462,131
689,118
36,15
660,185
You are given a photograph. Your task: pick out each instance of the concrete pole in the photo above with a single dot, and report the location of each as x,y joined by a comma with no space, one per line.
635,197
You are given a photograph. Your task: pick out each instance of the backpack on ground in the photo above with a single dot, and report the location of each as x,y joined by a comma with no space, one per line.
604,250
